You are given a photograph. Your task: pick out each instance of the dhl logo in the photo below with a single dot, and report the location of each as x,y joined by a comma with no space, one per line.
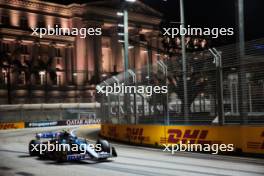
135,134
4,126
112,132
192,136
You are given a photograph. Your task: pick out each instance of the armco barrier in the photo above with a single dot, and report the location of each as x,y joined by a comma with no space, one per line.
249,139
7,126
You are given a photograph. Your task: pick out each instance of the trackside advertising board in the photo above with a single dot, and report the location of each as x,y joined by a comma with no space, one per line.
62,123
16,125
41,124
248,138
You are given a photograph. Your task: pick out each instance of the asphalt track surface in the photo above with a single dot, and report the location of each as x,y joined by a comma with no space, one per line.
132,160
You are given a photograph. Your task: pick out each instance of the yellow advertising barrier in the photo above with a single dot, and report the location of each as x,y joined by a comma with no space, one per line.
7,126
249,139
252,139
92,126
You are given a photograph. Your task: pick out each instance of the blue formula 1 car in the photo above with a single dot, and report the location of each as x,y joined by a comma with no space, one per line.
64,146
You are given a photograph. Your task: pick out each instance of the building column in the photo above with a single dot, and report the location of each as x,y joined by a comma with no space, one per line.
35,56
155,45
94,57
94,52
79,53
51,56
90,57
137,49
97,56
132,55
16,55
69,65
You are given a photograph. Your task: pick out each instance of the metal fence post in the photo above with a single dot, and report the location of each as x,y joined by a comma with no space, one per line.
184,67
108,103
219,85
118,82
165,72
135,95
243,92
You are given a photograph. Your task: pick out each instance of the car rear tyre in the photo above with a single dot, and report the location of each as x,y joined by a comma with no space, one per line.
60,156
33,150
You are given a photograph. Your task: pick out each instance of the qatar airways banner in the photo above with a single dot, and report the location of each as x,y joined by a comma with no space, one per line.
79,122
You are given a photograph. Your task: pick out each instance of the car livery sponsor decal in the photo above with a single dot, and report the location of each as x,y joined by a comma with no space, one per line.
104,155
77,157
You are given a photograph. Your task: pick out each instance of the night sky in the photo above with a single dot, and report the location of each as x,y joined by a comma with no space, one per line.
210,13
215,13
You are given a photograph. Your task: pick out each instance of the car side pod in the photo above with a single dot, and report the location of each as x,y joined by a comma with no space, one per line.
77,157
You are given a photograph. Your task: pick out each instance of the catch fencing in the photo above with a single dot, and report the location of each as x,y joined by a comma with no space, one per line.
220,86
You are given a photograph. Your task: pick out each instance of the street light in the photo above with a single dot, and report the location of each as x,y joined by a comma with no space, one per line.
124,14
243,103
120,25
42,72
124,35
185,103
120,14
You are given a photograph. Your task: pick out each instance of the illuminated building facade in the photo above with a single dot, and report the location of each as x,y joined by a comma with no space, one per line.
65,68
